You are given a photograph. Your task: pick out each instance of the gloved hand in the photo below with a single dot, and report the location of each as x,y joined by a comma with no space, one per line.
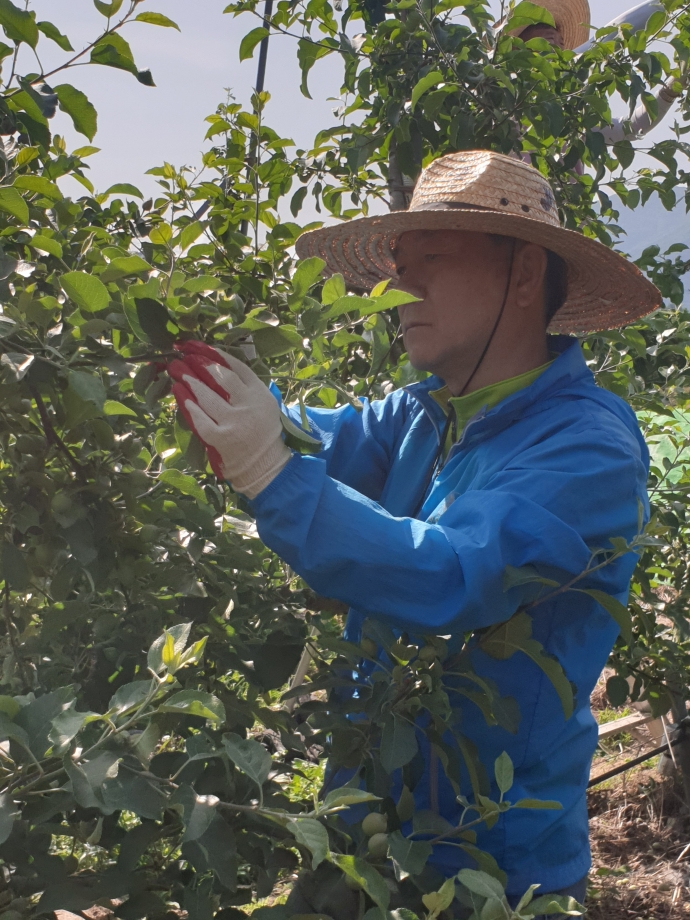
674,87
234,414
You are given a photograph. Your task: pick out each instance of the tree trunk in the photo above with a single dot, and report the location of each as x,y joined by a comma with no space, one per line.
399,187
682,751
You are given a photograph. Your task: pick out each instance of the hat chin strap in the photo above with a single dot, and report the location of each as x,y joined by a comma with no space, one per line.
437,465
496,324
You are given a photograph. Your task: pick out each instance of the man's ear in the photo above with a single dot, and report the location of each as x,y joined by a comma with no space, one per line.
530,274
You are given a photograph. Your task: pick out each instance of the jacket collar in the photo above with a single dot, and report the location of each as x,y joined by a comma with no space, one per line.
567,370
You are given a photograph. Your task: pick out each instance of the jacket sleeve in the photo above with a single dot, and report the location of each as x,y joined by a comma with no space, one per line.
547,509
358,446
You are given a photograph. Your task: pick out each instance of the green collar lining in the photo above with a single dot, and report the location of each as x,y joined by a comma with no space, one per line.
466,407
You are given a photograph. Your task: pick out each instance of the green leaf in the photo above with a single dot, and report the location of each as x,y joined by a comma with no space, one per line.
502,642
388,301
87,151
28,101
656,22
348,304
9,707
348,795
153,320
46,244
199,811
410,855
145,78
202,283
11,732
86,291
538,804
133,320
157,19
550,904
111,407
76,104
422,86
438,901
308,53
195,703
617,690
513,578
14,568
108,9
481,883
179,635
313,835
219,849
183,483
66,726
273,341
615,609
87,779
161,234
528,14
124,188
333,289
297,438
11,202
248,756
19,25
26,155
88,387
250,41
123,266
54,34
8,813
398,743
307,274
129,792
129,697
503,771
190,234
39,185
37,718
113,51
366,877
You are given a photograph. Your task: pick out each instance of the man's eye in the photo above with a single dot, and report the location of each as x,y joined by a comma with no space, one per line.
430,256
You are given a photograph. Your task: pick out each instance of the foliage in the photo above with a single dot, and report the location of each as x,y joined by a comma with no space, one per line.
151,751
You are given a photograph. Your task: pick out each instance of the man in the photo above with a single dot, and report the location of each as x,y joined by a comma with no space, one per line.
507,455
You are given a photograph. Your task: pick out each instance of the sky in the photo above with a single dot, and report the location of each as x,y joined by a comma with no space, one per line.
141,127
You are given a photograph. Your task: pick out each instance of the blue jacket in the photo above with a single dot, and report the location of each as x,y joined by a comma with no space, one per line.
550,474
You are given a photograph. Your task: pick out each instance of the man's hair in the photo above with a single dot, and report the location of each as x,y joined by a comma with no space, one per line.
555,279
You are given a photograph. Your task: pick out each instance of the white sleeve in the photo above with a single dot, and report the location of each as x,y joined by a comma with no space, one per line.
639,124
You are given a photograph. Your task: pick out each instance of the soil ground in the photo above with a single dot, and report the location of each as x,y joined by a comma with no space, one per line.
640,834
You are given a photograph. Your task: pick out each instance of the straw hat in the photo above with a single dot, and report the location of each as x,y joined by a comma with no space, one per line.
487,192
572,18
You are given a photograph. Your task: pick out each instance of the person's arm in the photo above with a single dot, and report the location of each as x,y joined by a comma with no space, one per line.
243,433
358,446
570,493
637,18
640,123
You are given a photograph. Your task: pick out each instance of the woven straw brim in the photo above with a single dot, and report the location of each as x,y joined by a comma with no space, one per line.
572,19
605,291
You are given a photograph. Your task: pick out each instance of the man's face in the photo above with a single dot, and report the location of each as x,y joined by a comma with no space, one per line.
553,36
460,278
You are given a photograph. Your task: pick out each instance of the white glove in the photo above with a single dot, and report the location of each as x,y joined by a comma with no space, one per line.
244,427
